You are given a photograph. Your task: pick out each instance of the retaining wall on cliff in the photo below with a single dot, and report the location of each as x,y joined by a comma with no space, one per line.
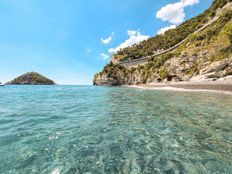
136,62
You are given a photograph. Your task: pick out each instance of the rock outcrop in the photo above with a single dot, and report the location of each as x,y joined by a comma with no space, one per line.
31,78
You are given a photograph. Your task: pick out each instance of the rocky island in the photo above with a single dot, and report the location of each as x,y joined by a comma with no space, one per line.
199,50
31,78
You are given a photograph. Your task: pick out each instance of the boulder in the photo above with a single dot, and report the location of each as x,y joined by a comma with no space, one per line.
214,67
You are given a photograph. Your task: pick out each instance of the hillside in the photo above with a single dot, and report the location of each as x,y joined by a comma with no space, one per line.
171,37
204,52
31,78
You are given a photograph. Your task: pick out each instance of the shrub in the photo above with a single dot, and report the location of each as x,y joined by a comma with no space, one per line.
163,73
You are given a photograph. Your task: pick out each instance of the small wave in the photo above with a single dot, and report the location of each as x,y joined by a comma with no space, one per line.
169,88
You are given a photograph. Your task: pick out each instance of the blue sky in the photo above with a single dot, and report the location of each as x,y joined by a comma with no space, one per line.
70,40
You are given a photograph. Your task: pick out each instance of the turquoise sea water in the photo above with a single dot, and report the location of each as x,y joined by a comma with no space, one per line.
91,130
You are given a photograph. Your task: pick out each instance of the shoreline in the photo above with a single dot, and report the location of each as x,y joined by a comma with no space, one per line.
224,87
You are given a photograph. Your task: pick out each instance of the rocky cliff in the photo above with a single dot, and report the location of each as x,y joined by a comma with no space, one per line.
31,78
204,55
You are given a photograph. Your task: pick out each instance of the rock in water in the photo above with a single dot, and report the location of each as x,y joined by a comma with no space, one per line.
31,78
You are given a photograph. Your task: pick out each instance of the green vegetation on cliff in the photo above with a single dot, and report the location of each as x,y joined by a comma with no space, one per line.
31,78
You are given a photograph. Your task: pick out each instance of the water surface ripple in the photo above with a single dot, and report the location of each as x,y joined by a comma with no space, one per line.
91,130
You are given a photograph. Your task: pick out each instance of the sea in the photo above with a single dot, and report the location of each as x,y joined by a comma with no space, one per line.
114,130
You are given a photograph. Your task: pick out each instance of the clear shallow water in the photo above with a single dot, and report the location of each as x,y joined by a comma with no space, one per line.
73,129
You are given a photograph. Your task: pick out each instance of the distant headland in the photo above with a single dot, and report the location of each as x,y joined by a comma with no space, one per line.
31,78
198,50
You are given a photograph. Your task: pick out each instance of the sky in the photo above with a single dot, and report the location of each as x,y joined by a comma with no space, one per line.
69,41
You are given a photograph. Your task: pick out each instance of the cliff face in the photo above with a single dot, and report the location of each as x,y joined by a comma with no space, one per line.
31,78
204,55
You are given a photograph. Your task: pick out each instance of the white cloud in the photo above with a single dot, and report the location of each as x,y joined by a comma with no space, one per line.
104,56
190,2
163,30
131,32
108,40
135,37
174,13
